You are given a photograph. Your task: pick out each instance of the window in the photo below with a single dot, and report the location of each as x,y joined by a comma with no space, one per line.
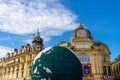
30,56
17,68
22,68
84,58
29,72
109,70
86,69
17,75
8,69
13,68
104,70
104,58
5,70
28,49
119,66
14,61
82,33
22,74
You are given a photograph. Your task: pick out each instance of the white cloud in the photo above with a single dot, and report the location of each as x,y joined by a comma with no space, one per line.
4,50
22,17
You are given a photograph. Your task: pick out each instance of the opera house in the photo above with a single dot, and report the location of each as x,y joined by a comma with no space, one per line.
93,55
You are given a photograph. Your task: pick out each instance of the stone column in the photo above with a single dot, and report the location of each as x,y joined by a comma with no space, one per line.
107,70
101,67
26,66
94,64
19,71
97,63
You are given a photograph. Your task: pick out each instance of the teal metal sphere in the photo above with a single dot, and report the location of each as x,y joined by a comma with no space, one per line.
56,63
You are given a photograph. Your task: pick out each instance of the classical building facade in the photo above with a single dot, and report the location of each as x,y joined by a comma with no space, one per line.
94,55
16,65
116,68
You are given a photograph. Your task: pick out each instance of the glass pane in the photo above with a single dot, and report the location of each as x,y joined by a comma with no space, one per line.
84,58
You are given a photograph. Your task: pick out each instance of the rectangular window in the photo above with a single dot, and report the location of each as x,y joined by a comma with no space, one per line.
30,56
109,71
22,65
9,69
86,69
28,49
22,74
119,66
104,70
17,75
104,58
13,68
5,70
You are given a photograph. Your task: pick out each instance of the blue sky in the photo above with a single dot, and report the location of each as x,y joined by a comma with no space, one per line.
56,19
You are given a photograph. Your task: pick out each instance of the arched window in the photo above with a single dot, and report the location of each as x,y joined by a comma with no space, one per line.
104,58
84,58
22,66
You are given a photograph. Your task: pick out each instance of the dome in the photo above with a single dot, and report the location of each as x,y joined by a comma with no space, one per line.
37,38
81,32
101,44
98,43
56,63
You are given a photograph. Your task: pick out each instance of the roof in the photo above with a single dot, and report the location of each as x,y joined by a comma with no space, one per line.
81,32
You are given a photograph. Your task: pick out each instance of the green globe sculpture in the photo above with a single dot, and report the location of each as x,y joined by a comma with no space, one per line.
56,63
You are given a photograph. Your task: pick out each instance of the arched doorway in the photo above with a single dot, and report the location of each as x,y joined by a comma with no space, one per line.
85,60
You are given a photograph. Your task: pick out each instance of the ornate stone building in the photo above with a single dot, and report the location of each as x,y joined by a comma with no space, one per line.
16,65
94,55
116,68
